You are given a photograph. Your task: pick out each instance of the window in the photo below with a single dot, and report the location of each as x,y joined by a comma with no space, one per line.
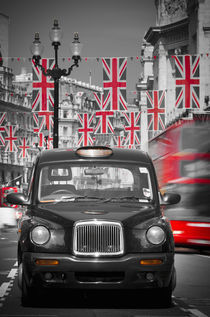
65,114
98,180
65,131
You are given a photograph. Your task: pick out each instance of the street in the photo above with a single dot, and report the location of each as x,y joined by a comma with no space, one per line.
191,296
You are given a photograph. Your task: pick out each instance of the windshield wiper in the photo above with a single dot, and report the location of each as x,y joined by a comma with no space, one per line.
128,198
135,198
72,198
105,200
89,197
75,198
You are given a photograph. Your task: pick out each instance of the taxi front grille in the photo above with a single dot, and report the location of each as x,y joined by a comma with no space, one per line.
98,238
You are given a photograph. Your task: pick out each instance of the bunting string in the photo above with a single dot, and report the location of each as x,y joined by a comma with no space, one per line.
110,112
99,59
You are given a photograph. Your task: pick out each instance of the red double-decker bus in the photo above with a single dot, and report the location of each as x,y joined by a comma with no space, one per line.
181,155
4,190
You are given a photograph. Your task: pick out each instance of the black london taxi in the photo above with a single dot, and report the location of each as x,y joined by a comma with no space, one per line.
94,220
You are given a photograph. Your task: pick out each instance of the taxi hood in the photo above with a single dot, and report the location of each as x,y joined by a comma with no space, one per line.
130,214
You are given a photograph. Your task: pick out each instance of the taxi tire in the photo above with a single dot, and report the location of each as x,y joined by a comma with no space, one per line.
165,297
27,293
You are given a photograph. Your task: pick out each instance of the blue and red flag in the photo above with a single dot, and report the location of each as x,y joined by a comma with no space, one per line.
100,102
85,129
114,83
118,141
2,127
132,128
24,147
104,122
156,109
11,139
43,96
187,81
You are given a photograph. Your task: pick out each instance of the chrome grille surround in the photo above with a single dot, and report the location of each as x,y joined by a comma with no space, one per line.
98,238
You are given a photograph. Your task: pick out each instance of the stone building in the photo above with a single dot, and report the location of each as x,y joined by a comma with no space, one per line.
15,104
15,111
4,35
75,97
182,27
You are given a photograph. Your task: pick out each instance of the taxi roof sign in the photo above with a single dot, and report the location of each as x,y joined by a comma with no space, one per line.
94,151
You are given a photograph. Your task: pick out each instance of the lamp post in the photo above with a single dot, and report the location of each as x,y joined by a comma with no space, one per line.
46,136
36,142
56,73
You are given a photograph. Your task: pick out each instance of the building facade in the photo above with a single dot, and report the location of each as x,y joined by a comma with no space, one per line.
182,27
4,35
16,124
75,97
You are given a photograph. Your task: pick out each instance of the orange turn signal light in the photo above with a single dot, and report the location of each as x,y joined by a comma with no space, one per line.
46,262
151,262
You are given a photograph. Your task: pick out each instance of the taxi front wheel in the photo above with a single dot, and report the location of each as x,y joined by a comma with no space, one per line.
27,293
164,297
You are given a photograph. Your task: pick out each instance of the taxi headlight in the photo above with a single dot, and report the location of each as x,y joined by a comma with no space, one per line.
155,235
40,235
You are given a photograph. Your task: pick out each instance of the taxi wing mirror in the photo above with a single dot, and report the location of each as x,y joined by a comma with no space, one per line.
17,199
170,199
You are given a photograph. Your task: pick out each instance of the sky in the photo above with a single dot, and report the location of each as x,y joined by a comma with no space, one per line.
107,28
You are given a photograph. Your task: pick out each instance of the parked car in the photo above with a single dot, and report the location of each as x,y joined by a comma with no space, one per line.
94,221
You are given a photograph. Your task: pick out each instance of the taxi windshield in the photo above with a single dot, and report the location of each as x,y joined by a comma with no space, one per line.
73,182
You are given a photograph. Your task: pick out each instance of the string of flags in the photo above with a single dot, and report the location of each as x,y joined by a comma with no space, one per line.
10,139
98,59
110,104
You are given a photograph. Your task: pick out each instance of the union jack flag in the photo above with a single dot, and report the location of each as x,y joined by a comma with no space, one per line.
43,87
118,141
23,147
101,103
11,139
132,128
2,127
187,81
43,96
86,129
156,109
40,138
104,122
43,119
114,83
131,146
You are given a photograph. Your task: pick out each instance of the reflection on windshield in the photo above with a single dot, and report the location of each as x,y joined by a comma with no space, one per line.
71,182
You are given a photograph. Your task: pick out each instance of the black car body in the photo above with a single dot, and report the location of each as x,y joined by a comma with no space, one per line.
94,221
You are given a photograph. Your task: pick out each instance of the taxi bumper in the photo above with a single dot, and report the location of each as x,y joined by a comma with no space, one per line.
125,272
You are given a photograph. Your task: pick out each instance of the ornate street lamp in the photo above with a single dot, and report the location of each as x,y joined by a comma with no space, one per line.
46,136
36,142
56,73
